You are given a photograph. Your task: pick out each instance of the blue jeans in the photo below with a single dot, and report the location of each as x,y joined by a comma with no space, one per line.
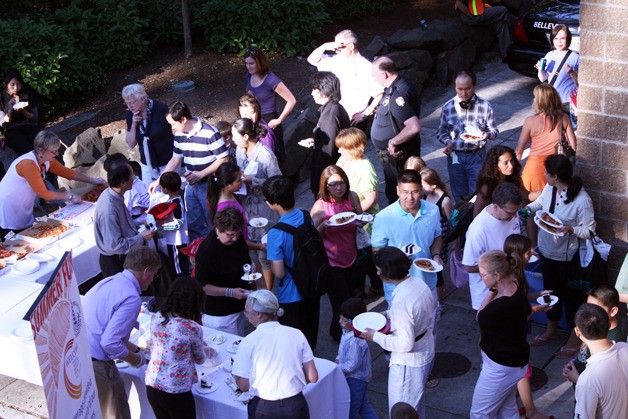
196,210
464,173
360,403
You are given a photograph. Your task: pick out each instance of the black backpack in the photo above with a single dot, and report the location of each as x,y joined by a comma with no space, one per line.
460,220
310,264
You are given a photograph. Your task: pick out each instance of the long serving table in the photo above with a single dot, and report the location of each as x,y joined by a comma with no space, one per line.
327,398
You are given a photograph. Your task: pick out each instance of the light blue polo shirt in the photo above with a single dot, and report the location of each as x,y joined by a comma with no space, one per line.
395,227
281,247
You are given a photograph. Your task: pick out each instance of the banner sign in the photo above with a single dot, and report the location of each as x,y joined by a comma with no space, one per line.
62,348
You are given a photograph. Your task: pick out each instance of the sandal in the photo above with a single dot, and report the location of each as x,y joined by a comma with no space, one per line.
431,383
566,352
539,340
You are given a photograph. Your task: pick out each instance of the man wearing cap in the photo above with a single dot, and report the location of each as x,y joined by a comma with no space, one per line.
201,149
114,230
274,362
360,93
396,127
465,113
111,309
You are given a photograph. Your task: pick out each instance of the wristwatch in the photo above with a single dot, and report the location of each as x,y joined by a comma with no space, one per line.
70,196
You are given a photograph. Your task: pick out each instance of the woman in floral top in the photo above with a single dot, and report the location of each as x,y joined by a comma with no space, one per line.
176,345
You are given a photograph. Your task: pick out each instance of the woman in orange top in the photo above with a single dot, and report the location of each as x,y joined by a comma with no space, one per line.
24,181
543,131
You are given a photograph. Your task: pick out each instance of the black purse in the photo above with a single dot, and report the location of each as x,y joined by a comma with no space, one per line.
582,279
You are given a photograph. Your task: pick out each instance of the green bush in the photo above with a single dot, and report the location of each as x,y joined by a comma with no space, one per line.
346,10
288,27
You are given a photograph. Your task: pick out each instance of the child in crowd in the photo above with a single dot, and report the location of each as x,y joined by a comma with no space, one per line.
137,200
607,297
415,163
174,229
403,410
354,358
225,131
521,249
436,193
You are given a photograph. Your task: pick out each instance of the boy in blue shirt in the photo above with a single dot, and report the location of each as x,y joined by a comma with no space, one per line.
300,313
354,358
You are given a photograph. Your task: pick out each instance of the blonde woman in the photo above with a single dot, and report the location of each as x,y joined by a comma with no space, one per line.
542,130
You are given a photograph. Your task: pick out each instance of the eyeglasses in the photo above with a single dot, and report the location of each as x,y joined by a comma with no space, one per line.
509,213
336,184
341,47
483,275
53,152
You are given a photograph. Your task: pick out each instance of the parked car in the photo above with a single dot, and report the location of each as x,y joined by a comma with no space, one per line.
532,33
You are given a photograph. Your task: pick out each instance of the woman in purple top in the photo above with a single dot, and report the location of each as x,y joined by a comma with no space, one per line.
265,85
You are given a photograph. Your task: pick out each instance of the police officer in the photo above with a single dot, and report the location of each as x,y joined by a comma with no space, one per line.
396,127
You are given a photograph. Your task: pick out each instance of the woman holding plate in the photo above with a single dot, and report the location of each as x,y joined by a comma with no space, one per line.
18,113
338,236
411,341
567,201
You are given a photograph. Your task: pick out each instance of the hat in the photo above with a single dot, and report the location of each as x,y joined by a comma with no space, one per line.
192,248
161,211
264,301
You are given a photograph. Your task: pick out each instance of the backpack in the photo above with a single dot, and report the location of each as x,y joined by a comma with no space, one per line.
460,220
310,264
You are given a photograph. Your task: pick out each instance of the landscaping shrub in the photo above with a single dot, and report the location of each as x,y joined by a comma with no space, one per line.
288,27
346,10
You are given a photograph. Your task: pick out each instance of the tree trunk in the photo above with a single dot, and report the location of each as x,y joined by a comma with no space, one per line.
187,36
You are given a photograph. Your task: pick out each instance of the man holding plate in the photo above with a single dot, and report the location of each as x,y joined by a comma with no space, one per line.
466,124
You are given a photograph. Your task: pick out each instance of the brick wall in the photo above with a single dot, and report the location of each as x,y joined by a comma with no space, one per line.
603,119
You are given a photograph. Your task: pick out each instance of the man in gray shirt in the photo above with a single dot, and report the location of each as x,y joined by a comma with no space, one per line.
113,226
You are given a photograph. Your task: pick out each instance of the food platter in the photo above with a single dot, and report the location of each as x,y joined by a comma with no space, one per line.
427,265
369,320
206,386
251,277
44,232
93,194
549,219
13,250
342,218
547,228
470,137
258,222
218,338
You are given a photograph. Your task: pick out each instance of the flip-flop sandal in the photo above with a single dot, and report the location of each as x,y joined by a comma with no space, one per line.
539,340
565,352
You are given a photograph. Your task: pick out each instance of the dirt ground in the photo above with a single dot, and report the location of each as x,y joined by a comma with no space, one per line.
219,78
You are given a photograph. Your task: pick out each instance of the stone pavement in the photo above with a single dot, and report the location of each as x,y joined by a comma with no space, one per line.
458,355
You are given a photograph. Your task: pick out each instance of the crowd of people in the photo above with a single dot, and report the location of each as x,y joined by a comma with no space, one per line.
231,212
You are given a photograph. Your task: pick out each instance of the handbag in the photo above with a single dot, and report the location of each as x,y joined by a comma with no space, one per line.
457,272
586,274
362,238
563,147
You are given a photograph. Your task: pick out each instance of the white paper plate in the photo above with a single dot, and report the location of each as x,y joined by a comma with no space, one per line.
365,217
23,331
342,218
436,266
411,249
213,387
25,267
258,222
545,229
217,338
251,277
233,348
40,257
533,259
122,364
369,320
306,144
244,397
69,244
543,303
558,224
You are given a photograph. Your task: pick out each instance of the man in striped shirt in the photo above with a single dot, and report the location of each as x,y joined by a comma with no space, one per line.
201,149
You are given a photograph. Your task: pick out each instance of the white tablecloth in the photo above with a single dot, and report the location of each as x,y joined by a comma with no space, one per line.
85,258
327,398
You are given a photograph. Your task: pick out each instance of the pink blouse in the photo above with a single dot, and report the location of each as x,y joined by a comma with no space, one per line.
175,347
339,241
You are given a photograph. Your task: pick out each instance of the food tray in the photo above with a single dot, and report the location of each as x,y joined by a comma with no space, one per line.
30,234
75,215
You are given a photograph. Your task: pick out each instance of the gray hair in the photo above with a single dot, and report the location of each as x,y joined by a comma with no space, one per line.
46,140
134,91
264,301
141,257
349,36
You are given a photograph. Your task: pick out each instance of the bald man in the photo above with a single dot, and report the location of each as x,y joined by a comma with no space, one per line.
395,130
